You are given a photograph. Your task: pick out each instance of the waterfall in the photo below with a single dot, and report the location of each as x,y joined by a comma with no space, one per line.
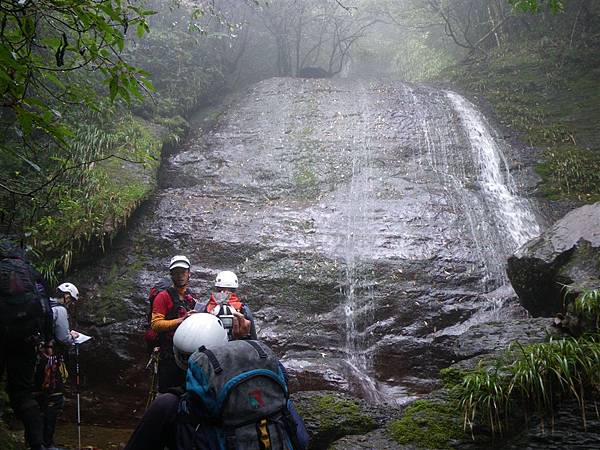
467,161
478,181
513,213
356,246
365,219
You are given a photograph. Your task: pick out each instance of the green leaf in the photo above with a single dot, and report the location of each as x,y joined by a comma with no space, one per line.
147,84
111,12
120,41
124,93
25,119
140,29
28,26
54,80
35,101
113,86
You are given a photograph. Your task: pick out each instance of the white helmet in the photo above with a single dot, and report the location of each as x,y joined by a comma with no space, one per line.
226,279
70,288
200,329
179,261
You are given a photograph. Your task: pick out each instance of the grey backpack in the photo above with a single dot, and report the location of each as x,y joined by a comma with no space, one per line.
238,393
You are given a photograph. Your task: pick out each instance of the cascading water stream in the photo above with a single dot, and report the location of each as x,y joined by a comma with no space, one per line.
513,214
357,242
478,182
510,216
479,187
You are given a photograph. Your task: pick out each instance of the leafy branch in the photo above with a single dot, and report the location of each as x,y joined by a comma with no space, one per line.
41,42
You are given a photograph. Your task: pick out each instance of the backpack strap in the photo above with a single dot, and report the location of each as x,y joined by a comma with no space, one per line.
177,303
214,362
174,296
261,351
263,435
291,427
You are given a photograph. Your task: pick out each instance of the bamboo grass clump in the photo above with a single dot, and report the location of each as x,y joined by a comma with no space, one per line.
535,378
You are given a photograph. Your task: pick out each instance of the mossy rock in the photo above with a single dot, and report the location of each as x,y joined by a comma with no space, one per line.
428,424
330,415
452,376
113,300
302,282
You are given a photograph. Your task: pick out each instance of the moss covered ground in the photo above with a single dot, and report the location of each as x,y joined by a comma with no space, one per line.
333,410
428,424
329,416
550,94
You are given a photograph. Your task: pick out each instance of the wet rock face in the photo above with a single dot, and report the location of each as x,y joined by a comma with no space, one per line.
571,428
357,216
490,340
568,253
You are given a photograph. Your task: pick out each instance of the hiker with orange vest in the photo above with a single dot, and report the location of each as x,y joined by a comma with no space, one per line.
225,304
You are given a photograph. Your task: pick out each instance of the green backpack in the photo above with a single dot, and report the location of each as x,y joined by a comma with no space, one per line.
238,390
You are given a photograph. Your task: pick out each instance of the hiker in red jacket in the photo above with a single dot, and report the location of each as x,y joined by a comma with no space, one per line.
171,307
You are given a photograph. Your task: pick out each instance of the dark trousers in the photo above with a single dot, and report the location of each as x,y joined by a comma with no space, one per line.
162,427
51,406
18,359
169,373
156,430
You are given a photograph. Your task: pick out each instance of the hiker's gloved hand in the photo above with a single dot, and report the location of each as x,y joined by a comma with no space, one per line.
241,326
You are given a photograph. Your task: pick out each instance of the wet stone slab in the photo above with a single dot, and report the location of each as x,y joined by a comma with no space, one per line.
356,215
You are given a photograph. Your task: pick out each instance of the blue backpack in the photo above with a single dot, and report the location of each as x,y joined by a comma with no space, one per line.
236,399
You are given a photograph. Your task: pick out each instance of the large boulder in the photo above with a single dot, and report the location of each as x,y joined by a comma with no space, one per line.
567,254
329,415
492,338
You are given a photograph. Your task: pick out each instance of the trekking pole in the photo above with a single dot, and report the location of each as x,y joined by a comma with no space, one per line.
153,366
77,391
